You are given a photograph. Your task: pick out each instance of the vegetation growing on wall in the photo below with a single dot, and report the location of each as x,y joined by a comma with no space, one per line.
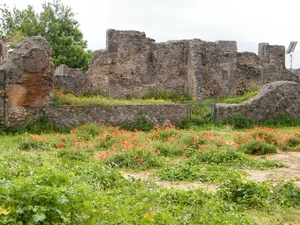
162,97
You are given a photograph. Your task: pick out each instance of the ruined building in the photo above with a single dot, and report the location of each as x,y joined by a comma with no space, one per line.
26,93
132,63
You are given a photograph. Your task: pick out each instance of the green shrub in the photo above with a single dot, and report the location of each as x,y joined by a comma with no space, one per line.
164,134
282,120
255,147
286,193
291,144
87,131
96,174
26,202
204,172
232,158
265,136
42,125
71,154
142,124
239,98
168,149
237,122
193,144
30,145
19,164
92,93
248,194
155,93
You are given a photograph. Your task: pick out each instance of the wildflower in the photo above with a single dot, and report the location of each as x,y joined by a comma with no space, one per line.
36,137
104,155
61,144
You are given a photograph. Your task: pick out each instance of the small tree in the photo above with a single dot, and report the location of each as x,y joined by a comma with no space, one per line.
56,23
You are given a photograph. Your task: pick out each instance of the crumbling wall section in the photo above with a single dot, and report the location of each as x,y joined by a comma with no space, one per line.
219,63
171,63
275,98
132,63
70,80
126,67
27,81
249,72
26,85
195,69
273,63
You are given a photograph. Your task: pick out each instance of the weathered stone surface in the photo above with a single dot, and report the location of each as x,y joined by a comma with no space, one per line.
132,63
74,81
158,114
274,98
26,86
249,72
273,64
26,81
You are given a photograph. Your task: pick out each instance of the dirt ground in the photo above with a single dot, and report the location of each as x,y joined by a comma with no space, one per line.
291,159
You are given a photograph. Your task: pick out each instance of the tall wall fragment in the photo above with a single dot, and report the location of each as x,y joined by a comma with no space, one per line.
26,82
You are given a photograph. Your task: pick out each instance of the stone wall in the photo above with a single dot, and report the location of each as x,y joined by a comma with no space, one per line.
272,59
296,71
249,72
274,98
158,114
132,63
26,82
70,80
4,48
26,92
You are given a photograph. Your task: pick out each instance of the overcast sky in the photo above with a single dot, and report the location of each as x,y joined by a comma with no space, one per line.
246,22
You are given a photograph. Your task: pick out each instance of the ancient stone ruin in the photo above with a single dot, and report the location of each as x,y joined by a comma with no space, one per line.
132,63
275,98
26,81
26,93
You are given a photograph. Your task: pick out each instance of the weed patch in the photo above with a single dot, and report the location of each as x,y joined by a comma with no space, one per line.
76,177
201,172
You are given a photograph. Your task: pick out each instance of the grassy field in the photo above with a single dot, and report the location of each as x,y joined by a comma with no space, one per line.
77,176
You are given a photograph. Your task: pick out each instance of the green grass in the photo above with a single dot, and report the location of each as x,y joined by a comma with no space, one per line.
238,98
153,96
74,177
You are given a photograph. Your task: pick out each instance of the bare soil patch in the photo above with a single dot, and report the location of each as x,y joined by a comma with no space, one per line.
291,159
